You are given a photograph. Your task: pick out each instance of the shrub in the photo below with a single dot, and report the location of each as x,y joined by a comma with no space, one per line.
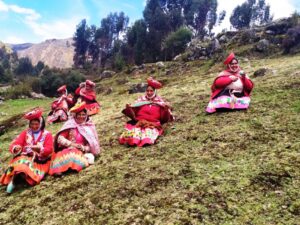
175,42
18,91
24,67
292,39
119,62
51,80
5,75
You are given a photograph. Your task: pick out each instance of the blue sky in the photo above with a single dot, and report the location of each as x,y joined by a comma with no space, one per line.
37,20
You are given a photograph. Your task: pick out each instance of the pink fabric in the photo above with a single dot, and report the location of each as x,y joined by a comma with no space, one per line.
61,103
149,112
87,95
137,136
78,137
58,115
87,130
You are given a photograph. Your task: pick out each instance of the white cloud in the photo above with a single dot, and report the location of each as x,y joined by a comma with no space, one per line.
55,29
29,14
3,6
62,28
281,8
129,6
13,40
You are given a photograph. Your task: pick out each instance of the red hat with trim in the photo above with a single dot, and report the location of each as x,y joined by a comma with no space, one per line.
62,88
34,114
229,58
90,83
78,107
154,83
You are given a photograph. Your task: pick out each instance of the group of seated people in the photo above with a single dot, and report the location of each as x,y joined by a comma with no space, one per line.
75,146
84,93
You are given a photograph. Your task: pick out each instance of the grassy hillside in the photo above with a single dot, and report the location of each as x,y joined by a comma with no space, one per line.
229,168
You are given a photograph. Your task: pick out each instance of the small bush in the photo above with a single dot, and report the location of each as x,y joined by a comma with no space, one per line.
51,80
119,62
176,42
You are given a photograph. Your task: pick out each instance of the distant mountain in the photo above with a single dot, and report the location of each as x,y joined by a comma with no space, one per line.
54,52
19,47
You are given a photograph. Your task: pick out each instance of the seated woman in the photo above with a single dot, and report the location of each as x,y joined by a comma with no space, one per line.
231,89
148,114
86,93
60,106
76,144
32,151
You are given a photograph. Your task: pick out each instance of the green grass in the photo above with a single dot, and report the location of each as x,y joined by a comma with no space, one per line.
229,168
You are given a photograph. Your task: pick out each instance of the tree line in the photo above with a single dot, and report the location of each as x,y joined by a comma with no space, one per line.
163,32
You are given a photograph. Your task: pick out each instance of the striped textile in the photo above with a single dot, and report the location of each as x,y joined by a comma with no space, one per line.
34,171
68,159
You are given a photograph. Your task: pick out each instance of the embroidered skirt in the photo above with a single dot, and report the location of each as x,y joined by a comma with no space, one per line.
34,171
228,102
139,136
66,159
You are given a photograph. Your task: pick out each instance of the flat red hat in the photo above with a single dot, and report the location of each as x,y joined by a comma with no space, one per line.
34,114
90,83
154,83
62,88
229,58
78,107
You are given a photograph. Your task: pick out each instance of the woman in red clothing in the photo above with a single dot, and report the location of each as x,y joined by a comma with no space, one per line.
231,89
32,150
60,106
86,93
148,113
76,144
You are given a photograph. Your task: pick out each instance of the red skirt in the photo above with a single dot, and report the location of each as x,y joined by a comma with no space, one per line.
34,171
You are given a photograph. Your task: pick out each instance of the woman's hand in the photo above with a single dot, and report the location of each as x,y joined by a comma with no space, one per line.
17,149
36,148
78,146
233,78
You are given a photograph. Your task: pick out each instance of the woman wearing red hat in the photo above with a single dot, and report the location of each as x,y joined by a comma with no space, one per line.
32,150
148,113
60,106
231,89
76,144
86,93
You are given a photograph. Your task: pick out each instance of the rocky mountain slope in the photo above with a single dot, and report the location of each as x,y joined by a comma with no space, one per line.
54,53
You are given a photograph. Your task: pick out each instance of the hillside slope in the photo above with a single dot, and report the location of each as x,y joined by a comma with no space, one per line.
229,168
54,53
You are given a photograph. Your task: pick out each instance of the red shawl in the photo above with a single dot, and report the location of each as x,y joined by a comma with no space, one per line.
223,80
166,114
